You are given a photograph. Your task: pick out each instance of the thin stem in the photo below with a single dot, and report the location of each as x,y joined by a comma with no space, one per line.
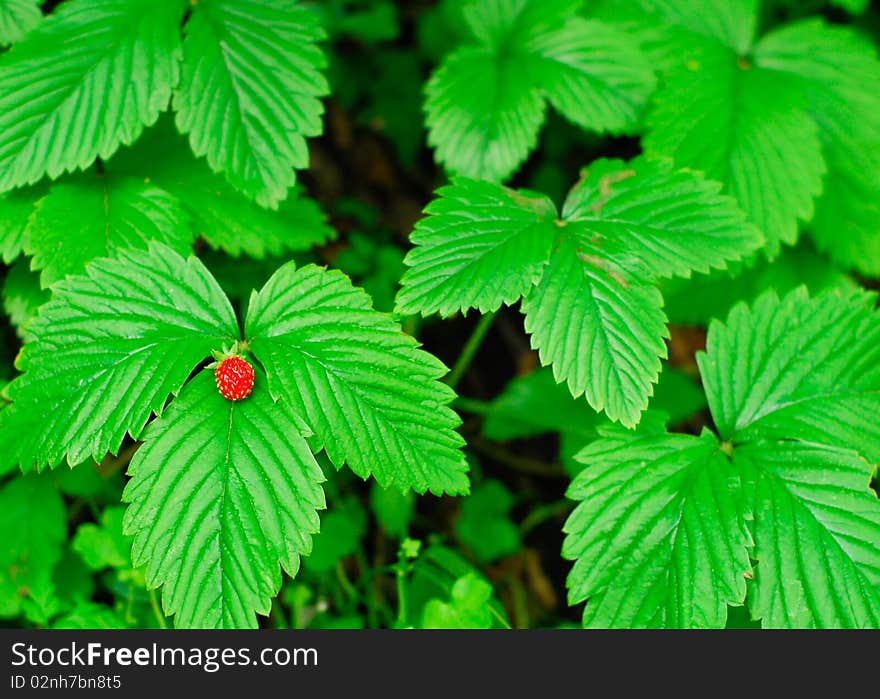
345,583
367,575
500,618
520,604
154,603
517,463
541,514
401,593
470,349
472,405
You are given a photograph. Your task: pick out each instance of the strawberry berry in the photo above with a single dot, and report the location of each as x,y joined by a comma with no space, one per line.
235,378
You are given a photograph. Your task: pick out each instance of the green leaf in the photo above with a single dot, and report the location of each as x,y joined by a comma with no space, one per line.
22,295
839,74
375,265
536,404
600,328
32,533
623,226
794,385
88,103
668,223
87,482
72,579
484,524
393,510
218,213
482,121
816,526
657,536
485,103
746,127
250,91
15,208
480,246
107,351
370,396
856,7
221,493
89,217
469,607
89,615
797,368
731,22
342,529
104,546
17,18
591,74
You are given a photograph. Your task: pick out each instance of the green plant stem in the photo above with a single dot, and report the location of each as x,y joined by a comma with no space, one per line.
401,594
518,463
154,603
472,405
520,604
470,349
541,514
371,592
345,583
501,619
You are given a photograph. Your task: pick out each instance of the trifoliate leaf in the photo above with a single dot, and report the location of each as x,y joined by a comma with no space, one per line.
839,74
797,368
223,495
746,127
594,312
657,539
86,101
816,526
250,91
104,545
600,328
17,18
370,396
107,351
794,386
485,103
89,217
22,295
33,527
468,608
480,246
226,219
484,524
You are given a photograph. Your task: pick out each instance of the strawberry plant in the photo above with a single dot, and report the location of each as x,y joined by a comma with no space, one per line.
456,314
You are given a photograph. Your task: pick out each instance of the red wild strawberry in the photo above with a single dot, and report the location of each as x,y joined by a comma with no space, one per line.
235,378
